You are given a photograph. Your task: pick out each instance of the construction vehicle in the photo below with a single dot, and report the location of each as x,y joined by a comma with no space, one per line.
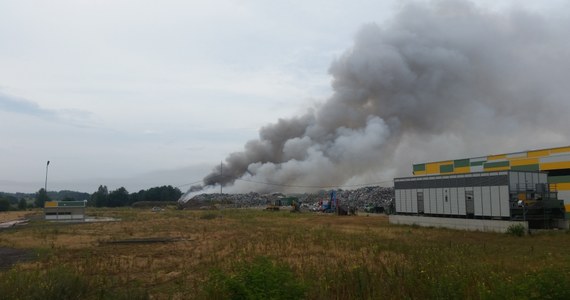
274,205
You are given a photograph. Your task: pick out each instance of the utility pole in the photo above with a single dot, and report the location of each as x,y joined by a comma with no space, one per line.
45,187
221,176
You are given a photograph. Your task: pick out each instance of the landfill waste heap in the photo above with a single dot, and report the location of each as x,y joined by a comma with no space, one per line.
358,198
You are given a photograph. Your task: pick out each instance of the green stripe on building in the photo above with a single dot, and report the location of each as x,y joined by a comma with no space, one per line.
446,168
497,164
533,167
458,163
71,203
477,163
419,167
559,179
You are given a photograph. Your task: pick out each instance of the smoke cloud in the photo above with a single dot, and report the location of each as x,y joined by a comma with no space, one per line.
441,80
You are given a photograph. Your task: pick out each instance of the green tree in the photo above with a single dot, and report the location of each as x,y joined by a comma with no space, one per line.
101,197
4,204
118,197
22,204
41,198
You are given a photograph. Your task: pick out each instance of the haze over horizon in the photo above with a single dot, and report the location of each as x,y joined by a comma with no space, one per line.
138,94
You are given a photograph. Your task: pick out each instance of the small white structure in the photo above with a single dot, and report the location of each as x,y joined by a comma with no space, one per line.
65,210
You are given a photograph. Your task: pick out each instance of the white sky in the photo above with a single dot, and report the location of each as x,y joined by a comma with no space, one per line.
140,93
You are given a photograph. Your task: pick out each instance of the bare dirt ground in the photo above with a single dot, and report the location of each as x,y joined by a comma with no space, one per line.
10,256
6,216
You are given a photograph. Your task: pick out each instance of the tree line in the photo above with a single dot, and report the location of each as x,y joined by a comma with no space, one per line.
100,198
121,197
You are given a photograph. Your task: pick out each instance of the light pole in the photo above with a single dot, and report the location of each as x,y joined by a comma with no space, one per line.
45,187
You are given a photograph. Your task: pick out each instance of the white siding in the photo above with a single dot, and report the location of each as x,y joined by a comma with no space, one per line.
433,200
486,200
453,201
439,197
414,207
495,201
505,207
461,200
427,205
398,200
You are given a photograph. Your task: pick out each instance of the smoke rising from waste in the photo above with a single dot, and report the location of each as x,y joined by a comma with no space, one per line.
441,80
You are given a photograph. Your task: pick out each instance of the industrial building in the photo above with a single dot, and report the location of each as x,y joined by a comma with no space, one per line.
505,195
65,210
555,162
488,193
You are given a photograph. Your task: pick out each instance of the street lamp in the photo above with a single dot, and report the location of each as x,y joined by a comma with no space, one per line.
47,165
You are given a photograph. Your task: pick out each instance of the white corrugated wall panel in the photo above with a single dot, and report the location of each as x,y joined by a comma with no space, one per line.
505,207
453,201
426,201
414,206
461,201
495,201
439,197
398,200
408,200
486,200
433,201
427,205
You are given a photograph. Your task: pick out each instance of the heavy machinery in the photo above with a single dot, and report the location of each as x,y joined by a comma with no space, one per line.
539,205
274,205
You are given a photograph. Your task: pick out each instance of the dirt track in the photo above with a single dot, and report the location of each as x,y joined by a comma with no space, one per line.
9,257
13,215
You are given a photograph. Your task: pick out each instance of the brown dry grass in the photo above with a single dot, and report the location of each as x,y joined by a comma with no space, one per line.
6,216
320,249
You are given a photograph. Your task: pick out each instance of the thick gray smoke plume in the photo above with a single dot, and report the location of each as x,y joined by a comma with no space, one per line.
442,80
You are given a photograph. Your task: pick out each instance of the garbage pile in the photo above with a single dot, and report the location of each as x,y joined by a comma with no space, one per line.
373,196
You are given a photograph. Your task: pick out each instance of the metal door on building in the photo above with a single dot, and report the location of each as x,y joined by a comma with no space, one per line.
469,203
420,202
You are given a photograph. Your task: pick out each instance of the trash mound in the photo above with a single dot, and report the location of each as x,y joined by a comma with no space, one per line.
374,196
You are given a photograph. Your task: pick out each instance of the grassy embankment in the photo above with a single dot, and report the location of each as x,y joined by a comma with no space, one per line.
220,254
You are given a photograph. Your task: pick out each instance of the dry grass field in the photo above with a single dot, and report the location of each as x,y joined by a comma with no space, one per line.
253,254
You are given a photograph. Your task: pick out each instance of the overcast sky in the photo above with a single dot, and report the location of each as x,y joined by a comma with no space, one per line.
148,93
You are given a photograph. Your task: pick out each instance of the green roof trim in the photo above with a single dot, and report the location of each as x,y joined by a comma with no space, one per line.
446,168
533,167
458,163
71,203
477,163
497,164
559,179
419,167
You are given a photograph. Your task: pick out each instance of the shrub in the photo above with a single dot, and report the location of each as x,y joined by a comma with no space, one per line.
261,279
516,230
57,283
208,216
